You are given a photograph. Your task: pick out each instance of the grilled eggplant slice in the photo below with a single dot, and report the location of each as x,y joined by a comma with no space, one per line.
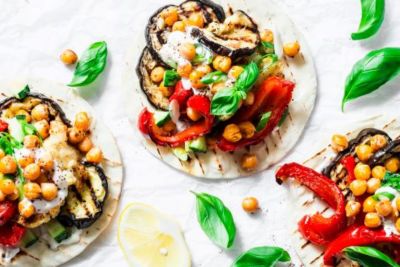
379,158
236,37
146,64
157,31
84,206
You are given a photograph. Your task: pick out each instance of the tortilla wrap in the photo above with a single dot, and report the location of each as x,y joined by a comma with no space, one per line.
216,163
306,203
40,254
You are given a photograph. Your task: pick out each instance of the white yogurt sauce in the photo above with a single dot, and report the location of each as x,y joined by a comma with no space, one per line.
7,254
388,223
54,245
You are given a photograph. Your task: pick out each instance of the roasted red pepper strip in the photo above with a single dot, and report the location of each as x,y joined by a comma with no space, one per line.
357,236
11,234
349,163
181,95
317,228
3,126
199,103
274,95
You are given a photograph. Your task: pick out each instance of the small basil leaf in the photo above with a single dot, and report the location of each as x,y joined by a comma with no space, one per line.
369,257
373,12
213,77
262,256
91,64
383,195
24,92
203,55
284,116
171,77
225,102
374,70
215,219
266,48
392,180
263,121
248,77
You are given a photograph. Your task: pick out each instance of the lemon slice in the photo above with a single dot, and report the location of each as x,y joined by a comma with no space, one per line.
149,238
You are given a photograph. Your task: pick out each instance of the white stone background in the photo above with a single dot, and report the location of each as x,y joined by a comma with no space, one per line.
33,33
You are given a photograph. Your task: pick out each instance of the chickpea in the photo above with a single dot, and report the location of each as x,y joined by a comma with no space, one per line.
377,142
352,208
358,187
384,207
165,91
193,114
46,162
169,126
397,225
249,162
392,165
25,160
379,172
235,72
85,145
222,63
267,36
171,16
249,99
250,204
188,51
2,196
31,141
7,186
195,79
82,121
49,191
26,208
369,205
8,165
339,142
372,220
291,49
217,86
179,26
94,155
13,196
247,129
204,68
25,113
157,74
68,57
196,19
15,107
43,128
2,153
185,70
32,171
32,191
362,171
373,184
58,127
232,133
75,136
40,112
364,152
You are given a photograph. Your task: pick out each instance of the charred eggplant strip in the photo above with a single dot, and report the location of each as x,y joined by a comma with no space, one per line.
211,11
55,109
335,169
84,206
238,36
146,64
379,158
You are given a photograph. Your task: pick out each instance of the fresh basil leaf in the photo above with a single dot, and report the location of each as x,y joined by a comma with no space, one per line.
226,102
266,48
24,92
8,143
215,219
392,180
373,12
369,257
171,77
247,78
284,116
213,77
267,45
91,64
262,256
263,121
371,72
383,195
203,55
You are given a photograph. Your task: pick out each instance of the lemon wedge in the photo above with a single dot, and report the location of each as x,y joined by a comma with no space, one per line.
149,238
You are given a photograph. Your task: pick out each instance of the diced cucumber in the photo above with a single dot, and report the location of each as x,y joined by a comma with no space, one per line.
29,238
180,153
196,145
57,231
161,117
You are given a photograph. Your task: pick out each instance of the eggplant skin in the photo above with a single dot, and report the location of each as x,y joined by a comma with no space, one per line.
68,218
379,158
147,63
5,103
214,12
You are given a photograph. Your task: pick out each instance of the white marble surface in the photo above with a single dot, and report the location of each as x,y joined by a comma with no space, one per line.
33,33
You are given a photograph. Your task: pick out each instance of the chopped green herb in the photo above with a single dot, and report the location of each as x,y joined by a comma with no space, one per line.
24,92
263,121
171,77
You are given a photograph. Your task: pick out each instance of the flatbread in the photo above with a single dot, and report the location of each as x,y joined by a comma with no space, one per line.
217,164
306,203
40,254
